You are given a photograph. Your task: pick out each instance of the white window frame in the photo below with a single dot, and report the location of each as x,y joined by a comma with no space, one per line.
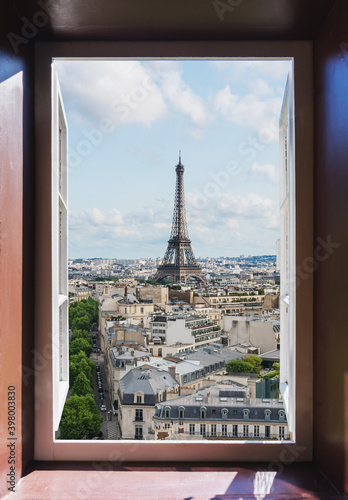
46,448
288,282
60,295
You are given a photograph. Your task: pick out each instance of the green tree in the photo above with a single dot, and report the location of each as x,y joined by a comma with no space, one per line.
80,334
81,386
254,362
276,366
78,345
261,291
238,367
176,287
80,418
81,323
80,363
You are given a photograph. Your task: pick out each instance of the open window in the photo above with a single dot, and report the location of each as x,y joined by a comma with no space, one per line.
52,255
288,253
60,296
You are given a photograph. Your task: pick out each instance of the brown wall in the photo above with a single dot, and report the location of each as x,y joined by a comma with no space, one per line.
331,221
10,64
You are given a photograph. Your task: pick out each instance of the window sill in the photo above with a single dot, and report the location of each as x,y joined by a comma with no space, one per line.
100,480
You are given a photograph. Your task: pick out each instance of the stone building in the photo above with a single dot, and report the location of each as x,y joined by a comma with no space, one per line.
222,411
139,391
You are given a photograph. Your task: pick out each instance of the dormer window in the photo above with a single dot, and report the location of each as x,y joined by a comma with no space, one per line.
267,414
246,412
203,412
181,412
224,413
138,398
167,412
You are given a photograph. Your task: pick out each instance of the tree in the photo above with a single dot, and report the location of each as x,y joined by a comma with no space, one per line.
254,362
78,345
81,323
81,386
276,366
80,418
80,363
238,367
261,291
80,334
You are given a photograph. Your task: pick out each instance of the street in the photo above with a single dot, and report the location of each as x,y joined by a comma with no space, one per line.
109,426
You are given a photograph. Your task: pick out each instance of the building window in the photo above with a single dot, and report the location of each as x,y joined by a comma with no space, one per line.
192,429
246,413
256,431
213,429
139,415
267,431
245,431
167,413
267,414
224,430
203,413
181,413
235,431
203,430
138,432
224,412
139,399
281,432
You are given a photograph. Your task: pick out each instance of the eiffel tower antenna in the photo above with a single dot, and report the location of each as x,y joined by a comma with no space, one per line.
179,262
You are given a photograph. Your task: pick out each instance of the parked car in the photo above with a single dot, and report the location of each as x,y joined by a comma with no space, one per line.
101,395
97,367
100,389
103,408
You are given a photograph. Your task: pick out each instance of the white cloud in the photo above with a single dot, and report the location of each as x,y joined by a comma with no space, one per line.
182,97
232,211
249,110
269,172
122,91
260,87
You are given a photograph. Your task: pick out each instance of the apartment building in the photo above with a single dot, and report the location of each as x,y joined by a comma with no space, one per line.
139,391
222,411
185,328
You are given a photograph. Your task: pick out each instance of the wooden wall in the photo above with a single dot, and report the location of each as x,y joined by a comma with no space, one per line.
331,224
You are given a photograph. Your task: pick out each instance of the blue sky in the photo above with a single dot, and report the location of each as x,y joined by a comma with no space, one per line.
127,122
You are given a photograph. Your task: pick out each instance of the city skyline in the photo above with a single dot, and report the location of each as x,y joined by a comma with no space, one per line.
127,122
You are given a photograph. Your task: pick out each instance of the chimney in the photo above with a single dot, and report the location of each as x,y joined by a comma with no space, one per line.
125,291
172,370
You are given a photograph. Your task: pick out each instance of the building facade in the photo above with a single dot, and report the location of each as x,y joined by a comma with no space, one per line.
139,391
221,412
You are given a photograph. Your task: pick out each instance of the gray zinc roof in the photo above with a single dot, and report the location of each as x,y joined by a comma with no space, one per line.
149,382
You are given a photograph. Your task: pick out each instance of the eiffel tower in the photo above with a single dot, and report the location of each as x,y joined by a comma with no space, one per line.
179,261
